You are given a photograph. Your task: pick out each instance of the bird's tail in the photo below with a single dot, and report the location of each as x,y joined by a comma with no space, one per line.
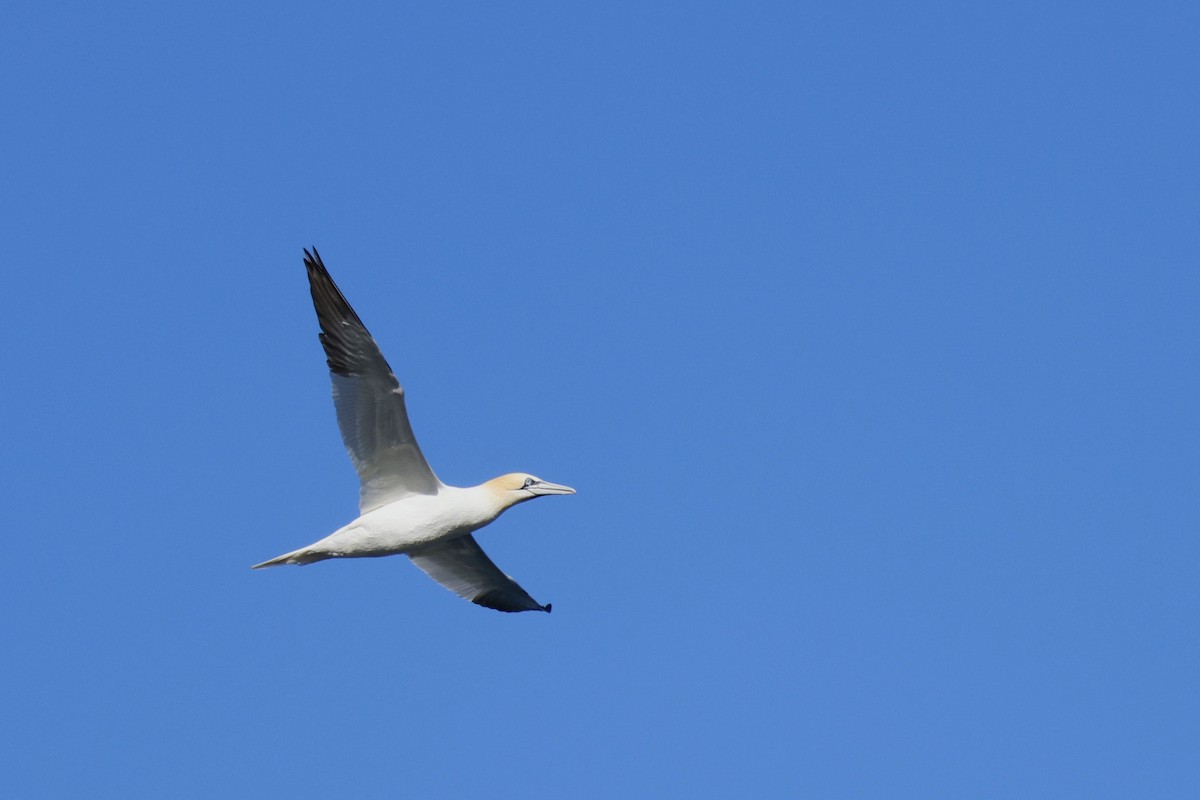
301,556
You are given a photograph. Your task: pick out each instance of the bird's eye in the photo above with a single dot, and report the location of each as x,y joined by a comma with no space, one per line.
528,482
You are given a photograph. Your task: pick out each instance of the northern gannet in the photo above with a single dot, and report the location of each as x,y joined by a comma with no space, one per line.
403,507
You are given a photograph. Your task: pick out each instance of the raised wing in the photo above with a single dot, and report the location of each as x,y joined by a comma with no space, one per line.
461,566
368,399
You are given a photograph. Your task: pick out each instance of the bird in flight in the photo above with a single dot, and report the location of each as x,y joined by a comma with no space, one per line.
403,507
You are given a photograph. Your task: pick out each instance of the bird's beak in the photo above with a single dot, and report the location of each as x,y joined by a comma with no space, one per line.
550,488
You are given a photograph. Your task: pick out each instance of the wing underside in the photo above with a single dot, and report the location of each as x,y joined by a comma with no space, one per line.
370,405
462,567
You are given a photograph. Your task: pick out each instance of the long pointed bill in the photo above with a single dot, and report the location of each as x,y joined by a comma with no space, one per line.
550,488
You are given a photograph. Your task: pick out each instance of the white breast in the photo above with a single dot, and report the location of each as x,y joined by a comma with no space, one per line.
415,520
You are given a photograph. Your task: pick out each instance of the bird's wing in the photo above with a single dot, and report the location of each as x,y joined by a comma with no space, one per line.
461,566
368,399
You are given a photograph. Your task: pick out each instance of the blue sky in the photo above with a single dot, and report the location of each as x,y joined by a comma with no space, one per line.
867,333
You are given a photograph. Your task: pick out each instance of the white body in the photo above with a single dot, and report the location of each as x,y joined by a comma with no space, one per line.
409,523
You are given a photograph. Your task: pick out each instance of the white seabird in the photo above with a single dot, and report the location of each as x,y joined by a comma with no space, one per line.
403,506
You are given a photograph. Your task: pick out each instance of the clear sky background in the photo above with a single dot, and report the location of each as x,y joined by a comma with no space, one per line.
867,332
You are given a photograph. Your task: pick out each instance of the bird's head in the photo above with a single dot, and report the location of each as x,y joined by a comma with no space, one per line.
517,487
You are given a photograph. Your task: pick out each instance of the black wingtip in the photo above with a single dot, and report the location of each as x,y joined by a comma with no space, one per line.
500,600
313,259
547,607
